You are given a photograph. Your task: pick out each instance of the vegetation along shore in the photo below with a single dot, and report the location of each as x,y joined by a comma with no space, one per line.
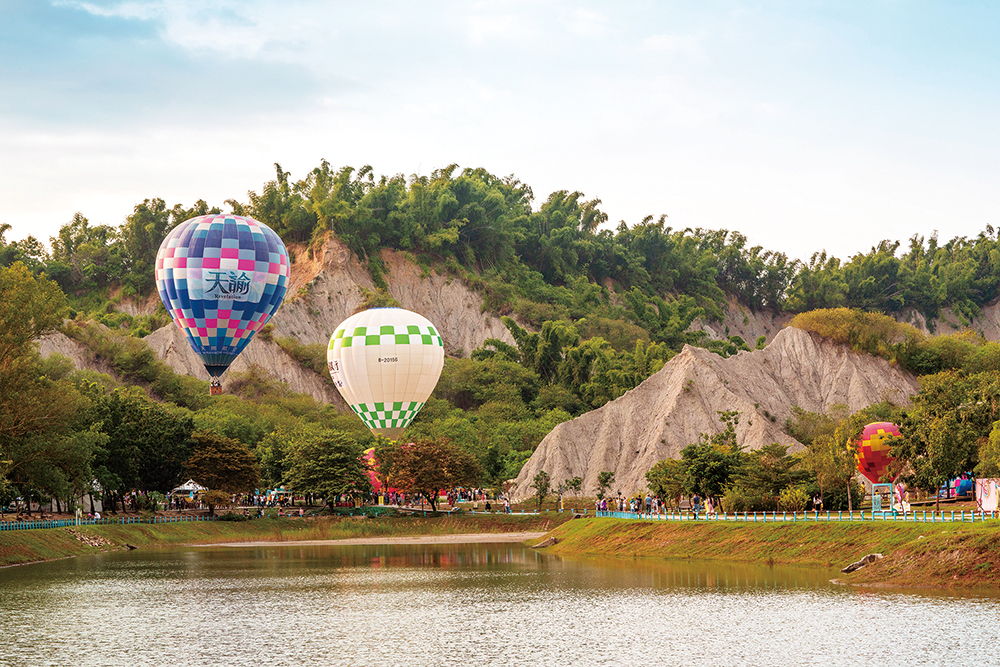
916,555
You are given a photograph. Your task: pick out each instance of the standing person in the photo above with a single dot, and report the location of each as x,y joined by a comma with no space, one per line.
709,507
696,504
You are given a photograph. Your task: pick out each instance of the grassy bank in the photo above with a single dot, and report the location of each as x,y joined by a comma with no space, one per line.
938,555
26,546
959,555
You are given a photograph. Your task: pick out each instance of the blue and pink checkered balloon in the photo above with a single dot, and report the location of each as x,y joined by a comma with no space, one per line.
221,278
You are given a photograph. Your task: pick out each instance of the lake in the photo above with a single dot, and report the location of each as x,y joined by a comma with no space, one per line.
484,604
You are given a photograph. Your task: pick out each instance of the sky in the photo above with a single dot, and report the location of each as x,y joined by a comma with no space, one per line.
805,125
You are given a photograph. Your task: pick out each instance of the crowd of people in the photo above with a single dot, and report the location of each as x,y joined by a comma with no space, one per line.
650,505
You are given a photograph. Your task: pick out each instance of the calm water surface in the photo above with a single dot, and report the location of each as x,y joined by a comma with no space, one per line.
496,604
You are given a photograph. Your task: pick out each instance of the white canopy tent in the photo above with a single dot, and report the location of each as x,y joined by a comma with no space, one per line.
187,488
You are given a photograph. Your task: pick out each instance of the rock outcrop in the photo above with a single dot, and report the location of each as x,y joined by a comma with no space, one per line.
326,289
170,344
82,358
738,320
671,408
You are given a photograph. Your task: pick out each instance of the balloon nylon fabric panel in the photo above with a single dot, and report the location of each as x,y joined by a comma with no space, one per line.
221,278
386,362
873,453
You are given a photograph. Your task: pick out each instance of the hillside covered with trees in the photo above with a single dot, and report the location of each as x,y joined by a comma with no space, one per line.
593,309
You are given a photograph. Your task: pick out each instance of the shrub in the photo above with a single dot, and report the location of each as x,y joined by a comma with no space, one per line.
793,499
379,298
871,333
739,500
311,356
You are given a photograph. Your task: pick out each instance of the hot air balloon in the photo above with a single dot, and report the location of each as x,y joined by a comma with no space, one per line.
221,278
873,449
385,362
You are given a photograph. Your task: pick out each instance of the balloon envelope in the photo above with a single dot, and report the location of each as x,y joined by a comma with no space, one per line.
371,470
385,363
221,278
873,449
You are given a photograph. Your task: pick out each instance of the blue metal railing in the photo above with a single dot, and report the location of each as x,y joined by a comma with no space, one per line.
31,524
922,516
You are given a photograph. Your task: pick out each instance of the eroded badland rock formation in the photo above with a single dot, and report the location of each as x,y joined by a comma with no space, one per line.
671,408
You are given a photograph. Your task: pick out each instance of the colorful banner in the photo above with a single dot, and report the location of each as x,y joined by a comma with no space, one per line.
986,494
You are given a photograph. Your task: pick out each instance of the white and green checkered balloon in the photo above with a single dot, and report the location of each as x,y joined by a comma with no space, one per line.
385,362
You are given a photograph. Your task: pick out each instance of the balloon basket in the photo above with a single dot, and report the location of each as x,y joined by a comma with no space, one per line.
215,390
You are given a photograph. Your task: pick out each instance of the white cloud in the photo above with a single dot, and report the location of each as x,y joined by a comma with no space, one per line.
688,45
768,110
232,28
587,23
482,28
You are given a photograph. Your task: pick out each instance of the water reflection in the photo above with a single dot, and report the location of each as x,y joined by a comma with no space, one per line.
462,604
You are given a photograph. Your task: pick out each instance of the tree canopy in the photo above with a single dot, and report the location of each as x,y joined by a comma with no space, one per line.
427,467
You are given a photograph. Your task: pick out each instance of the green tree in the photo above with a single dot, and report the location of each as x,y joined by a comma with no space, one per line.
668,479
146,446
768,471
328,464
989,454
541,484
830,463
44,437
605,479
574,484
711,462
222,464
951,419
427,466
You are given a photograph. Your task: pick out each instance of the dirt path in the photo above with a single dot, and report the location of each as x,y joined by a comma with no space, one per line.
467,538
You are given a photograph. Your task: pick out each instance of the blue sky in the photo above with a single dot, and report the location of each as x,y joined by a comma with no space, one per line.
806,125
